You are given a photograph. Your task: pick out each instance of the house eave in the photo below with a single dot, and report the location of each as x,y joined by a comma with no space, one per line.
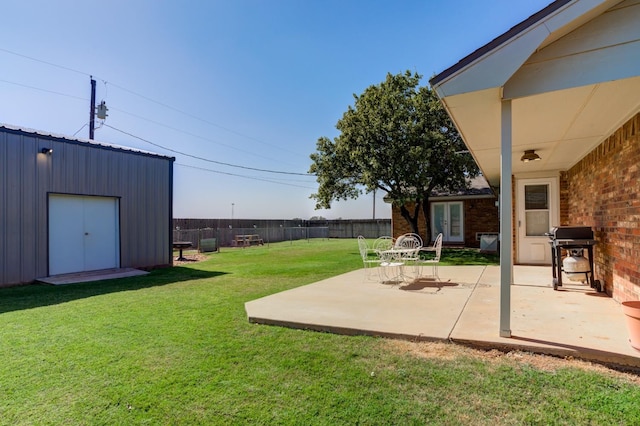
498,41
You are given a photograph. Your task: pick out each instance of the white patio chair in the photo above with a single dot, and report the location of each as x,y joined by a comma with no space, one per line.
390,270
370,257
382,244
409,246
408,240
391,267
435,260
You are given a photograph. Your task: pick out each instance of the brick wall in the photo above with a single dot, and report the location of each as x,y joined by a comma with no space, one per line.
601,191
480,215
564,199
400,226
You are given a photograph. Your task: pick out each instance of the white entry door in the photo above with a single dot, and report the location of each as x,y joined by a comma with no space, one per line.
447,218
84,233
538,212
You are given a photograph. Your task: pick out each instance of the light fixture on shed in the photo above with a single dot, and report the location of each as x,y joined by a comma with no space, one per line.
529,155
47,151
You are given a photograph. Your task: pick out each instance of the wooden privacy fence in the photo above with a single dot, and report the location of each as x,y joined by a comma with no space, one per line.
204,239
210,234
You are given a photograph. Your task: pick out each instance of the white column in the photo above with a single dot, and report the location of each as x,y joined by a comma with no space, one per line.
506,230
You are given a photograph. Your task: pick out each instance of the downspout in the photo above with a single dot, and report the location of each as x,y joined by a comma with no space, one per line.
506,230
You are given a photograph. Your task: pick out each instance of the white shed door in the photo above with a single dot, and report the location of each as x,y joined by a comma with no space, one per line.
84,234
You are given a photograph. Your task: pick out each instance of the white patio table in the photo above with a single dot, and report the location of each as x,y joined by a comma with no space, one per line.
392,263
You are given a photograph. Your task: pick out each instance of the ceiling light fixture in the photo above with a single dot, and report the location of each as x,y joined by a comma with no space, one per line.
529,155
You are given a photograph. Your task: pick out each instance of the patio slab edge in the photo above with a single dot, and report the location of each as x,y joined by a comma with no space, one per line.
346,331
609,359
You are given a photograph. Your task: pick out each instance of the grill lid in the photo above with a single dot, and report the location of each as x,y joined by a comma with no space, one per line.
571,233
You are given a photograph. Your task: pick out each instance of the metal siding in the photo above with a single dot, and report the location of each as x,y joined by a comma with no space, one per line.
169,245
15,246
18,224
43,181
131,240
28,226
142,182
146,199
4,212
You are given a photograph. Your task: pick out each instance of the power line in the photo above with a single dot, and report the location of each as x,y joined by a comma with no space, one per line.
192,134
43,90
83,126
140,118
205,159
45,62
200,119
243,176
143,97
160,124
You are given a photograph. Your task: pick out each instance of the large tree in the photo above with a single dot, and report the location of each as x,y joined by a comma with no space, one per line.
397,138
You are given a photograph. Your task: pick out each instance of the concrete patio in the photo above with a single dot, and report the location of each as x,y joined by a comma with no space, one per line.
463,307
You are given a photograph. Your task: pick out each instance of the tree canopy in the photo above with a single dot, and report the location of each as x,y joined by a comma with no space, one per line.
397,138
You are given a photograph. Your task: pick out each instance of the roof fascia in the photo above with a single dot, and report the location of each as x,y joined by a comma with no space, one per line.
498,41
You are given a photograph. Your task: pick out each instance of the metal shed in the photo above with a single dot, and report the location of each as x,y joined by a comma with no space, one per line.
70,205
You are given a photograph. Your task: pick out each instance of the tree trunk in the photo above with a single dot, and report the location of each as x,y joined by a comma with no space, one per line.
427,218
411,220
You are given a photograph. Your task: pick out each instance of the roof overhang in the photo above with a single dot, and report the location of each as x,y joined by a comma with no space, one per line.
572,73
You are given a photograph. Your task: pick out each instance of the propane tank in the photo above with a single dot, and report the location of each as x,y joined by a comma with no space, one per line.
576,266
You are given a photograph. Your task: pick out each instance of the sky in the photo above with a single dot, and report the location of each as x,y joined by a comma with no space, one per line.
238,91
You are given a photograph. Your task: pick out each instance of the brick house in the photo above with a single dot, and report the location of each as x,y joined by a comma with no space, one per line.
563,87
461,216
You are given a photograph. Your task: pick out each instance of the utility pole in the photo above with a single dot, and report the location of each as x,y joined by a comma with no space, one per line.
374,204
92,113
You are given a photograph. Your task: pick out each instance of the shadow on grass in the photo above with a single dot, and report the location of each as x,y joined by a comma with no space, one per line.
38,295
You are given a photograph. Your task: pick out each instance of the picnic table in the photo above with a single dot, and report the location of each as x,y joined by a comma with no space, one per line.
248,240
180,245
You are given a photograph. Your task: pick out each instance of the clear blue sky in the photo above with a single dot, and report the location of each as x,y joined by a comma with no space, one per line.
243,82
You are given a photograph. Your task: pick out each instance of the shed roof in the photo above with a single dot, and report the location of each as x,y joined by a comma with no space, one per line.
61,138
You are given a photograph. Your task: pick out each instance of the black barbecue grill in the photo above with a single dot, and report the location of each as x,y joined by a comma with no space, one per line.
572,239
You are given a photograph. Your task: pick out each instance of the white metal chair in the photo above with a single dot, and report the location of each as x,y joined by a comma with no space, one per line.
382,244
390,270
370,257
435,260
409,246
408,241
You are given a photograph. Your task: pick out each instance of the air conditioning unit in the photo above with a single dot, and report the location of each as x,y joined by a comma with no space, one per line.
489,242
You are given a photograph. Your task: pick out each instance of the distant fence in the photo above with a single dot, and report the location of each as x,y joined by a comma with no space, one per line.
353,228
228,237
225,231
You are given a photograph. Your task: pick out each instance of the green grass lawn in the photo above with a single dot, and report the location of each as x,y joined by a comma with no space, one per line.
468,256
175,347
